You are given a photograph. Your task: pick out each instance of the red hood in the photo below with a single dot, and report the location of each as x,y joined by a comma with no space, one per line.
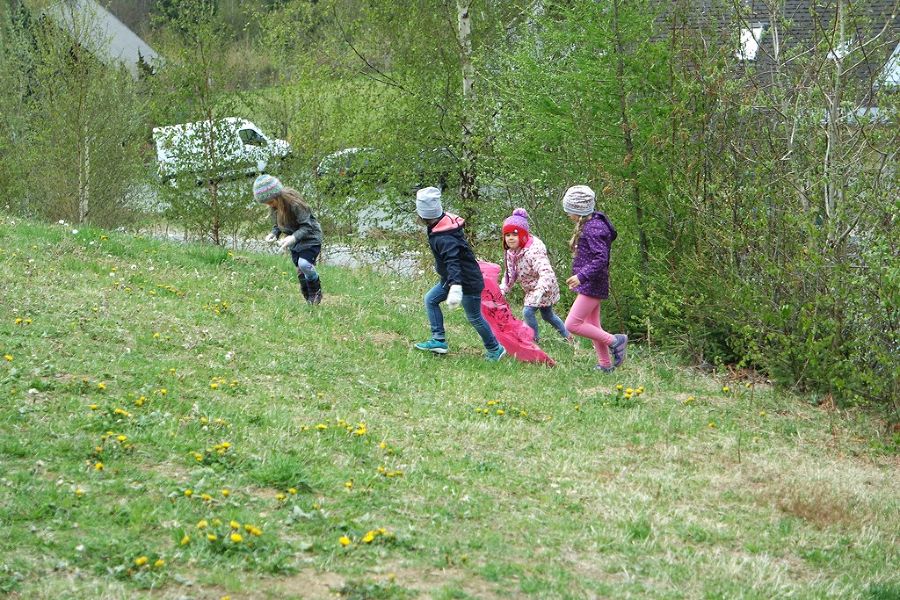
448,222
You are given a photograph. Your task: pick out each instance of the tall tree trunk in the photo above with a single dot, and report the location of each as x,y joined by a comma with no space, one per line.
629,143
468,184
834,185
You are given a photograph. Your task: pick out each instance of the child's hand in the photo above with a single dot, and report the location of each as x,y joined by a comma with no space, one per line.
573,282
287,242
454,298
270,238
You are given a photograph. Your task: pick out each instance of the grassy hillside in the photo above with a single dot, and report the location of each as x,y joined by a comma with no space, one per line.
175,423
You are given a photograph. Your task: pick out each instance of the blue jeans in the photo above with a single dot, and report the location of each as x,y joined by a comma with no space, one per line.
548,315
470,304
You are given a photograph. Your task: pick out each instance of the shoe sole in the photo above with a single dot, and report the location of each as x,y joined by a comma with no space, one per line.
434,350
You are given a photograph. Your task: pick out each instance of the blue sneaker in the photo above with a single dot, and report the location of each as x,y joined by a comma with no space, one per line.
495,354
603,369
618,349
433,345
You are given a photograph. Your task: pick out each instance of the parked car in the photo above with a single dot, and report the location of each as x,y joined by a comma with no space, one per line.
241,148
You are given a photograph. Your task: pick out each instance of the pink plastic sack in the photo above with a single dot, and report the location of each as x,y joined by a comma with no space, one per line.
513,334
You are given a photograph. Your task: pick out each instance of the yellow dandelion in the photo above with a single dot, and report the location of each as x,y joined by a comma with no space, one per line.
93,406
163,391
726,389
619,387
214,386
156,335
101,386
121,438
8,357
198,457
216,522
226,445
18,320
762,413
226,493
202,524
140,561
140,401
501,412
185,540
211,537
320,426
159,563
189,492
206,497
369,537
237,538
280,497
79,492
234,524
344,540
98,466
292,491
712,425
348,484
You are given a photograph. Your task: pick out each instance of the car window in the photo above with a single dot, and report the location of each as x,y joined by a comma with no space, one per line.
251,137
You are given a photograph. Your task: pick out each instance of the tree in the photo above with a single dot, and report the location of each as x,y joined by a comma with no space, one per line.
75,113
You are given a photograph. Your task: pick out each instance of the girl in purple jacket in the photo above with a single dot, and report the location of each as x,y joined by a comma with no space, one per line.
590,244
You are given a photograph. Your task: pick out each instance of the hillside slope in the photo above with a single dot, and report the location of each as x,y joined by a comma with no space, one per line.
175,423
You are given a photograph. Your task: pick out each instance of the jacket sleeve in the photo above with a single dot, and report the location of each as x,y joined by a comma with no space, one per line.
546,276
449,252
596,249
304,229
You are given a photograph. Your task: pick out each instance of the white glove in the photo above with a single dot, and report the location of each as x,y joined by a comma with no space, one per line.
287,242
270,238
454,298
503,289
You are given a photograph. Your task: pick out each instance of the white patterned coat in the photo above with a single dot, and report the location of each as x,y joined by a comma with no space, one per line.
530,267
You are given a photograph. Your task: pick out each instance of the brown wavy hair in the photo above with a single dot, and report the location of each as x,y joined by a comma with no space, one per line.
284,216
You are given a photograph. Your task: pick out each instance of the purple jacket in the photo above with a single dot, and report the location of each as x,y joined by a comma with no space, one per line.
591,262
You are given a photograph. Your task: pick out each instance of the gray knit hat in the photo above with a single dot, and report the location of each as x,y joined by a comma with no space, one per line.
266,187
579,200
428,203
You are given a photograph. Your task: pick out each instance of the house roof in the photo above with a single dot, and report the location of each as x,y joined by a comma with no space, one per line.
102,33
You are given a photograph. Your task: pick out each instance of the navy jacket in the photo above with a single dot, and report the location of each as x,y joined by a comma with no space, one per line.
454,259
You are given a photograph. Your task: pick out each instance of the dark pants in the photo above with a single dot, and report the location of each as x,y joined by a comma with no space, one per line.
305,261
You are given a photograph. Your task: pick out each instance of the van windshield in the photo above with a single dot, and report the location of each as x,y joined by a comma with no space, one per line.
251,137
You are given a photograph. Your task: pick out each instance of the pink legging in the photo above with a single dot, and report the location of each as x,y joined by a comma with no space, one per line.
584,320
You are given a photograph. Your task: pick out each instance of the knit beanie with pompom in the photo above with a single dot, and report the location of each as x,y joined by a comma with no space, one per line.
518,223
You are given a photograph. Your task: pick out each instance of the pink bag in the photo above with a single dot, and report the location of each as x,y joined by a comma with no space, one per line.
513,334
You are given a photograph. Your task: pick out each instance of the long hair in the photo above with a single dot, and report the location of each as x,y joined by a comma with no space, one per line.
284,216
579,227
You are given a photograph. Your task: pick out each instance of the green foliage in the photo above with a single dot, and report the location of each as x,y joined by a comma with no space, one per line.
74,128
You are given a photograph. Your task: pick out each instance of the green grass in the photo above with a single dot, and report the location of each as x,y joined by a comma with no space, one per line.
575,491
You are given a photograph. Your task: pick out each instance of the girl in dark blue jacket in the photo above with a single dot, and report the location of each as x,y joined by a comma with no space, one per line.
461,280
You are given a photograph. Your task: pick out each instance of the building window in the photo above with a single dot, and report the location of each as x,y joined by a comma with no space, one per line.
748,44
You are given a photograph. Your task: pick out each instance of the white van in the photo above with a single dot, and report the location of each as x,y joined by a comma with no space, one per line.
224,148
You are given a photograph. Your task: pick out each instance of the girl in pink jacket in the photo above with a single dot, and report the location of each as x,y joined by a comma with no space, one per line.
526,261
